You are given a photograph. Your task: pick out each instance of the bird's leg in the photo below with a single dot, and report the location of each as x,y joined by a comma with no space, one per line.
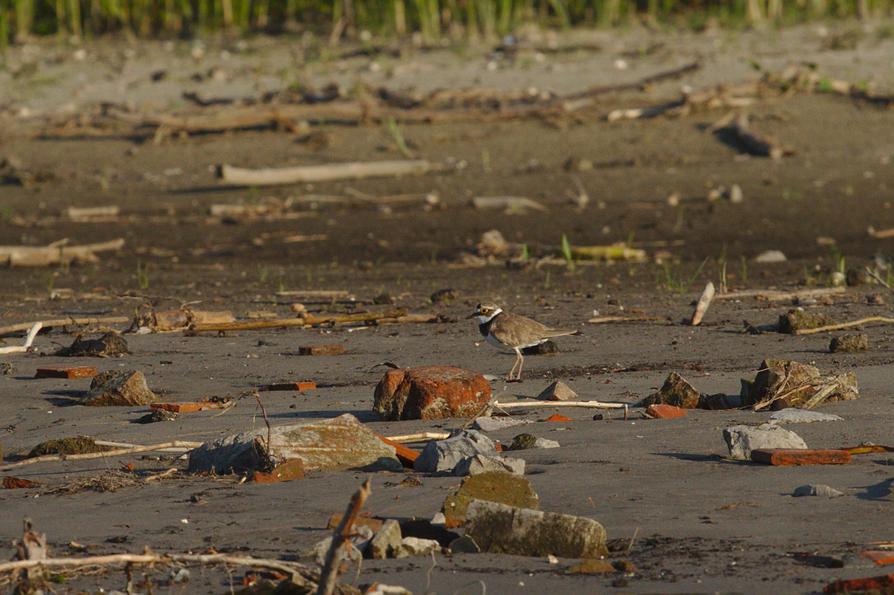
510,377
521,363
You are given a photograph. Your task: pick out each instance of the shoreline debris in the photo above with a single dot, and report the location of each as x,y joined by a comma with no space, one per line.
57,253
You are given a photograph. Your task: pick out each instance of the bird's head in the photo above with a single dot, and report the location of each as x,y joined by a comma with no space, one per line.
485,312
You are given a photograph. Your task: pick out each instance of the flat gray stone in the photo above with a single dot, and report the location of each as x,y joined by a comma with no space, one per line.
557,391
494,424
816,490
443,456
357,545
479,464
801,416
741,440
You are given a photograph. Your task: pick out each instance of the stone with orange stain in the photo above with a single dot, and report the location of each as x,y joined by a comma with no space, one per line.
288,471
661,411
431,392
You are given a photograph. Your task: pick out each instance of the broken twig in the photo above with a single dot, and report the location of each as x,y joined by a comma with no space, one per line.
323,173
29,339
342,533
100,455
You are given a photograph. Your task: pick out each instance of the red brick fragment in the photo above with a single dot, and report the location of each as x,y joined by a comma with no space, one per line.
288,471
873,584
791,457
323,349
302,386
557,417
189,406
662,411
16,483
67,372
881,558
431,392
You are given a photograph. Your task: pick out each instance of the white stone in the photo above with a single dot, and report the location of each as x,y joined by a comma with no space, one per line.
741,440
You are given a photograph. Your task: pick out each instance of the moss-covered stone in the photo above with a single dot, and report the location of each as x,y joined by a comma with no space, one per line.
796,320
74,445
849,343
495,486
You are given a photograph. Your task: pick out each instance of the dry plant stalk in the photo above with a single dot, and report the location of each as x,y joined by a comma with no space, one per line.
342,533
844,325
608,319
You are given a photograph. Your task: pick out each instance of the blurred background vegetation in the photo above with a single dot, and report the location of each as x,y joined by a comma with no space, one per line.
431,19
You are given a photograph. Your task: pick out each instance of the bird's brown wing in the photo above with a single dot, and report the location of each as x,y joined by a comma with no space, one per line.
517,331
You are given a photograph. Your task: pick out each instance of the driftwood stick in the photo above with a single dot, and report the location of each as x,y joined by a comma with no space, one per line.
29,339
772,295
586,404
607,319
184,446
24,326
342,533
844,325
291,568
419,437
309,320
55,253
323,173
99,455
704,302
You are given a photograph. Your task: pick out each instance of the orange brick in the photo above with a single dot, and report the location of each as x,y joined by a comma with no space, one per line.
557,417
324,349
288,471
872,584
790,457
661,411
67,372
15,483
406,455
302,386
188,407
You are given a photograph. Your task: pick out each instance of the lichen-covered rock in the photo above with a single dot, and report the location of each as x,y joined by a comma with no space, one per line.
505,488
108,345
431,392
849,343
122,388
526,441
676,391
798,319
338,443
501,529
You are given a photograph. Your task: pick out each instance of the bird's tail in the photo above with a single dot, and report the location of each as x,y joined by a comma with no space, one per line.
555,332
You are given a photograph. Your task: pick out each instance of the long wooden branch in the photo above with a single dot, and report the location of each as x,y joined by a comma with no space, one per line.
586,404
24,326
55,253
296,571
99,455
772,295
309,320
342,533
239,176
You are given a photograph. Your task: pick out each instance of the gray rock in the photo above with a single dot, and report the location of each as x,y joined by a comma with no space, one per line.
801,416
443,456
494,424
386,542
741,440
119,388
464,545
501,529
526,441
557,391
817,490
415,546
479,464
